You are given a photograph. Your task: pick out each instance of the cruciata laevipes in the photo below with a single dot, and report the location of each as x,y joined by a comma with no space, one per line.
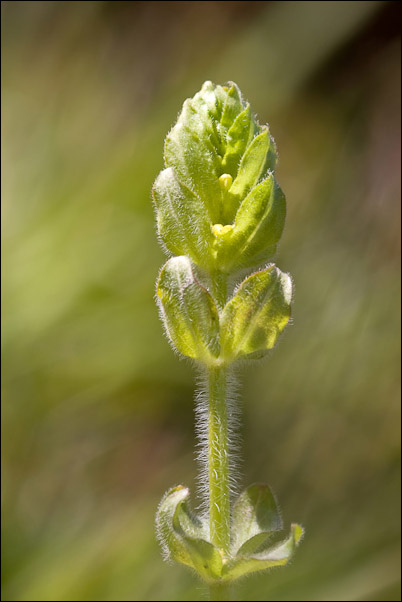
220,214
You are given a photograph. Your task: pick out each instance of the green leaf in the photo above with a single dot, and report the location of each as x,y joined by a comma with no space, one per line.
181,534
260,218
197,116
254,318
232,107
256,230
278,555
182,219
254,164
255,517
187,523
196,164
188,311
213,96
238,138
206,559
172,542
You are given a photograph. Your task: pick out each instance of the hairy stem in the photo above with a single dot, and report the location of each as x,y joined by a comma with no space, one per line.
218,460
218,468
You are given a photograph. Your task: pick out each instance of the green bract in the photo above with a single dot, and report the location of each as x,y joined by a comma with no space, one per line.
221,213
253,319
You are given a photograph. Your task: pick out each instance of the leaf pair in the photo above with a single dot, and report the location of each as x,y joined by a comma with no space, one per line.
256,520
247,327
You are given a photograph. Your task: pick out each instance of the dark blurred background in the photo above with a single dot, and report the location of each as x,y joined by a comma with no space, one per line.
97,410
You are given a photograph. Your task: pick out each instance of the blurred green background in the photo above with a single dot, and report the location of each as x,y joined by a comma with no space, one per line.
97,410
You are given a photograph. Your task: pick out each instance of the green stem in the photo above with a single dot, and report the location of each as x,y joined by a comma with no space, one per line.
218,460
218,469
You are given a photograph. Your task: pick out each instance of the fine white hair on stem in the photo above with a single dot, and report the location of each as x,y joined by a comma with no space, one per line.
202,432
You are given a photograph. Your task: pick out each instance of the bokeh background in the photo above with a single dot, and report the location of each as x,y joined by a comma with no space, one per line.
97,410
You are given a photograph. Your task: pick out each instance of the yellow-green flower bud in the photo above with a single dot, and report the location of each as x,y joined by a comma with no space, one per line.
219,172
